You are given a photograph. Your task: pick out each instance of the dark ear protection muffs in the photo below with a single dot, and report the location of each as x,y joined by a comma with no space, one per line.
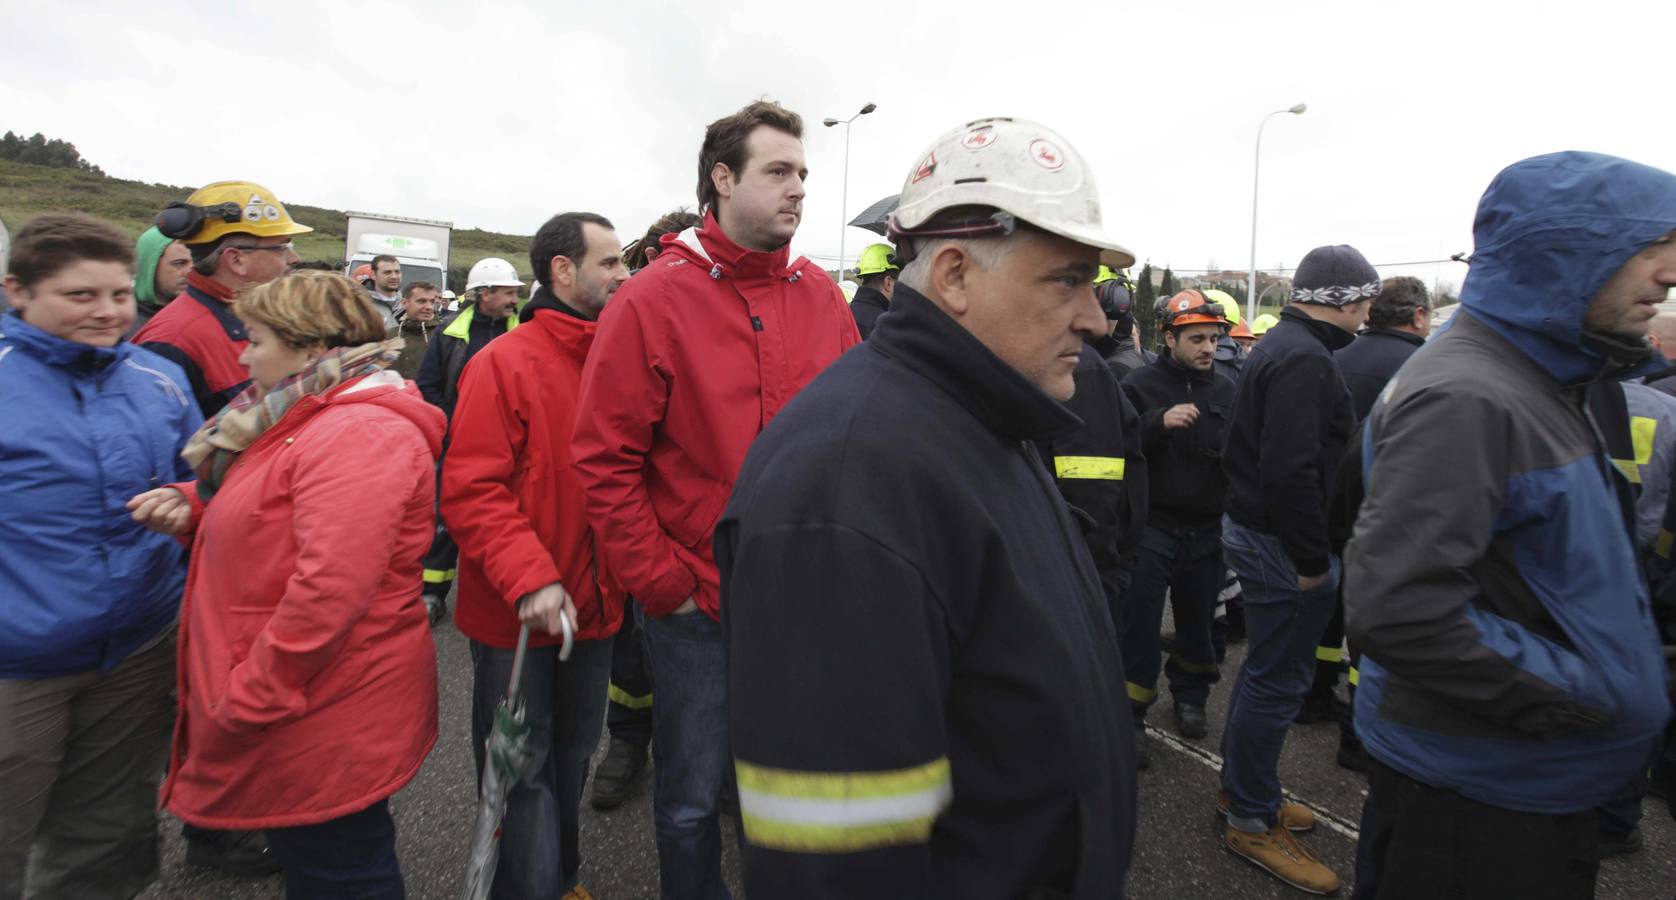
180,221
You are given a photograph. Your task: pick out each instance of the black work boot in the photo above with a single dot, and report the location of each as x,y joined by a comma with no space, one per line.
234,852
1190,721
615,776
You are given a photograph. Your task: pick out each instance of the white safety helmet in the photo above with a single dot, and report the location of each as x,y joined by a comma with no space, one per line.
492,271
1025,170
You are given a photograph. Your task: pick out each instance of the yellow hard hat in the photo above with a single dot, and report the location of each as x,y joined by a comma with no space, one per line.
1230,306
1104,275
231,207
1263,323
875,258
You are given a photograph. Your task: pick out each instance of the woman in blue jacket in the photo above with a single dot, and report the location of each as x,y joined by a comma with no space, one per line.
88,596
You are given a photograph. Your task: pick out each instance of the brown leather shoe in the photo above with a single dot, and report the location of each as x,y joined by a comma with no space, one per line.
1277,851
1295,816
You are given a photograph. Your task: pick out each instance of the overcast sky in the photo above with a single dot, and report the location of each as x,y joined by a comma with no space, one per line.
498,114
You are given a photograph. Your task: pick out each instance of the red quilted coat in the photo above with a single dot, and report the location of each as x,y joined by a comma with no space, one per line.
307,675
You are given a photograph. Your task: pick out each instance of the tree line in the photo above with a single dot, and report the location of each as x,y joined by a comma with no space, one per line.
39,150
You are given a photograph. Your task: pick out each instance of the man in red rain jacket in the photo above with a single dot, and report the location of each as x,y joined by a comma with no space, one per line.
527,556
696,354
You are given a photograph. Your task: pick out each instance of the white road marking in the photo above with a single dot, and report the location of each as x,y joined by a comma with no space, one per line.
1212,760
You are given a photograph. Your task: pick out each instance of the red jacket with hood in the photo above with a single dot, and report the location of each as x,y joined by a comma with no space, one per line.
695,355
510,497
307,676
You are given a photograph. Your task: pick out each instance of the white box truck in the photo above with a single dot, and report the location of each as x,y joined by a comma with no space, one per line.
420,244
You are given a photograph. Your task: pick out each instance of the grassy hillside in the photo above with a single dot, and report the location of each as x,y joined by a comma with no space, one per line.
26,190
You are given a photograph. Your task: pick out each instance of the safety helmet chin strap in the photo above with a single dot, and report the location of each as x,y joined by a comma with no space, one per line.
996,224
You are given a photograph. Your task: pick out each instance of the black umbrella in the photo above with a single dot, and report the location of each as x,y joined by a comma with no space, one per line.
874,218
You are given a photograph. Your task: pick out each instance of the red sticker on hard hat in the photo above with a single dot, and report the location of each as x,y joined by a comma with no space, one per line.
1046,154
926,168
979,138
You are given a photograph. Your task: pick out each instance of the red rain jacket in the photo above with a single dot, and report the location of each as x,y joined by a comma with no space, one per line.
695,355
509,494
307,674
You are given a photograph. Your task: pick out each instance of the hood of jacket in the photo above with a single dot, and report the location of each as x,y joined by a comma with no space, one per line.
708,246
148,251
387,389
1549,232
56,351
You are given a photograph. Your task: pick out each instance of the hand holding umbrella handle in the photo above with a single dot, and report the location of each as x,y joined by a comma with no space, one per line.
569,636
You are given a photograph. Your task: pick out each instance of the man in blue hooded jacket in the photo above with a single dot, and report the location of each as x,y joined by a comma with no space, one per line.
1511,678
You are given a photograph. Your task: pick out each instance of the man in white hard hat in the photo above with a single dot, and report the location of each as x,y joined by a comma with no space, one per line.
910,604
489,316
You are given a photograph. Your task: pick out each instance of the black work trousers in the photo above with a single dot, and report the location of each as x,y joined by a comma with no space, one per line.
1425,843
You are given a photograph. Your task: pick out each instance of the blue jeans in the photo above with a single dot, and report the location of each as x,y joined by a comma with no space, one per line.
1188,565
348,858
1283,625
691,758
564,705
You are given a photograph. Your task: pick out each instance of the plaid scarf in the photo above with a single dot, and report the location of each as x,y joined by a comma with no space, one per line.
217,445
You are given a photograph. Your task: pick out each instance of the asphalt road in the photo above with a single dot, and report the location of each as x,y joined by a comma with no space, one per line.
1178,852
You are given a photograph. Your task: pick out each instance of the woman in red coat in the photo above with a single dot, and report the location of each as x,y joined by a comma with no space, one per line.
307,674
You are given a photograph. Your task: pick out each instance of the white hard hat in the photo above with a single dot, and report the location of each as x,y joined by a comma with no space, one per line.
447,295
492,272
1023,169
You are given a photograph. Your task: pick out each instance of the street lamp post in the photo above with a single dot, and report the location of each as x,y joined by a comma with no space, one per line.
1256,163
844,202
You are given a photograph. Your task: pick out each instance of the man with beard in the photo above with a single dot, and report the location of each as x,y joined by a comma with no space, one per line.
527,557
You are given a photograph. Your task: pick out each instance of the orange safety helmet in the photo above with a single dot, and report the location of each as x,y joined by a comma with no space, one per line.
363,272
1242,331
1193,308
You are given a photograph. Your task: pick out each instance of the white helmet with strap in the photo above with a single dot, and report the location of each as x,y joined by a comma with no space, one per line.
492,271
1025,170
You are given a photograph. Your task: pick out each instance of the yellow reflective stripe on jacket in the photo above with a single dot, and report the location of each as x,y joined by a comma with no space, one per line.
841,812
1140,694
1642,430
1664,543
1329,654
438,576
1109,468
623,698
1355,676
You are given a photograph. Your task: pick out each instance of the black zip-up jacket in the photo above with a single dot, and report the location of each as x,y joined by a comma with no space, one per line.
447,355
1122,354
924,687
1369,362
869,304
1101,471
1292,417
1185,484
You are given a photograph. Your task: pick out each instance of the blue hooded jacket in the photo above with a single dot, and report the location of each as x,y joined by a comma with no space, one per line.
1509,651
1550,231
82,585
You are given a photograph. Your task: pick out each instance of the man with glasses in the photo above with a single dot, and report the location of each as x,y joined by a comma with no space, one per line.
239,235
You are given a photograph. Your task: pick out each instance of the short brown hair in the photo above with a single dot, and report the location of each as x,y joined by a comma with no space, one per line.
724,142
306,309
671,223
416,286
51,241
